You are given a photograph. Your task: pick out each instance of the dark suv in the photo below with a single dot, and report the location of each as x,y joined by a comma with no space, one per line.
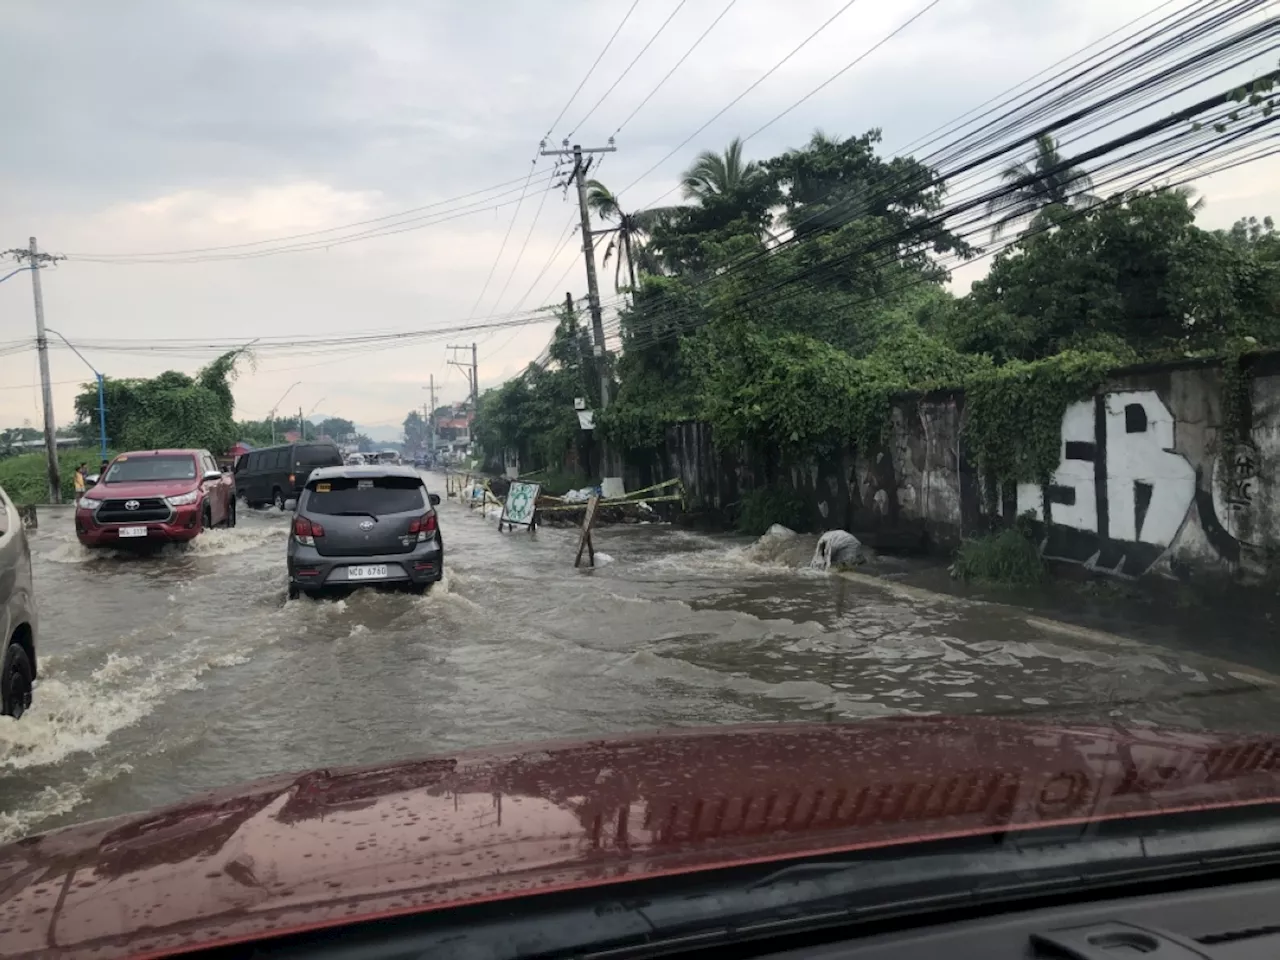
276,474
364,526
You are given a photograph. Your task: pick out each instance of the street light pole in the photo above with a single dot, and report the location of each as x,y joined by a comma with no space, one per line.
272,415
102,402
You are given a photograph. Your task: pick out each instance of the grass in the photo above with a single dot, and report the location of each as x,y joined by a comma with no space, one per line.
1009,557
766,506
25,477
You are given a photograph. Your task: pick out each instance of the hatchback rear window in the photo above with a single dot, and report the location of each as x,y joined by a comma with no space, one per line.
376,495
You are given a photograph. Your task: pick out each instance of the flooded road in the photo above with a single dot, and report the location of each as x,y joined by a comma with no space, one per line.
165,675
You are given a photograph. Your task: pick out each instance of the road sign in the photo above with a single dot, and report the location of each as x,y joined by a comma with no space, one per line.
518,508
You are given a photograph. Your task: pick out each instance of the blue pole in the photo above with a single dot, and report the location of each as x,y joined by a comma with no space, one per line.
102,415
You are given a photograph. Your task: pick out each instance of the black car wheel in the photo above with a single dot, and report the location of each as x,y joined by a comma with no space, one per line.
206,518
294,591
15,682
277,497
231,512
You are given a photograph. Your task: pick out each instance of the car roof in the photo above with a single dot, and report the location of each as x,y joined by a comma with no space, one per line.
173,451
296,443
353,472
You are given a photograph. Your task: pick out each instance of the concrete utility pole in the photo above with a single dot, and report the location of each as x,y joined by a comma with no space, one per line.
35,260
472,373
431,416
579,175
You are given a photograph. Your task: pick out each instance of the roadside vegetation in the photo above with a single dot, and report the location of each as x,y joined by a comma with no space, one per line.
25,477
1010,556
790,298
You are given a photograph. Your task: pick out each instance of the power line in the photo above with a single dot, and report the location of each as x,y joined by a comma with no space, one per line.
1244,38
592,68
309,246
847,67
725,109
604,96
297,236
1069,96
667,76
505,237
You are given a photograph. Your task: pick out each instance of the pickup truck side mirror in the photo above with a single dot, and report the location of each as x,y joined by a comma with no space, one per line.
290,504
213,474
92,480
434,498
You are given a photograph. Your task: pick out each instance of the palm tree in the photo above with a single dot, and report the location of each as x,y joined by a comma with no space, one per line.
717,174
1044,180
633,228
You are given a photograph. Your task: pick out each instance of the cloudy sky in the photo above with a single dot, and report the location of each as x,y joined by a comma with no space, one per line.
159,125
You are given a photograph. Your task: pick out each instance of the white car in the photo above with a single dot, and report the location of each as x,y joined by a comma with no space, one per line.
18,624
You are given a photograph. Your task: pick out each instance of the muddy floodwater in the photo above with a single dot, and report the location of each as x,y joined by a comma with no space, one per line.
165,675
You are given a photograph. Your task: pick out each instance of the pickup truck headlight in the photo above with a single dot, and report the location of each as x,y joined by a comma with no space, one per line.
88,503
183,499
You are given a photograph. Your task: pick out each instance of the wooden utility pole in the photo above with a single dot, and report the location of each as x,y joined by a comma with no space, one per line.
579,175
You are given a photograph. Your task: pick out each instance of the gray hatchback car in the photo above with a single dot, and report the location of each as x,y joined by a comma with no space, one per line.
17,613
364,526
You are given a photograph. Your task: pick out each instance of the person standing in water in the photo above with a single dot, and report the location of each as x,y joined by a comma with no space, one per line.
78,479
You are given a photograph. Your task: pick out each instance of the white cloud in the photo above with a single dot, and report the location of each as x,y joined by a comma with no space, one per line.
165,124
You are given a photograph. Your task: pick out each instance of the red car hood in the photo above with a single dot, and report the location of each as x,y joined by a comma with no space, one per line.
142,488
331,847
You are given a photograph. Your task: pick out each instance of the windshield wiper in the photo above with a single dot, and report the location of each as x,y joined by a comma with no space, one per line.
355,513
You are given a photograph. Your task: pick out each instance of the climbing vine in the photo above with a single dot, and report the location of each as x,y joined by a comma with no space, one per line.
1236,413
1014,413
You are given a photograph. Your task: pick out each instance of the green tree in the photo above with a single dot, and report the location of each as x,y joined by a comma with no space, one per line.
1138,275
338,429
533,415
628,241
719,174
1045,180
170,410
415,430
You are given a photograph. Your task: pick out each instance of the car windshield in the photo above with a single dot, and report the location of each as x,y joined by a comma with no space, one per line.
372,495
668,437
151,467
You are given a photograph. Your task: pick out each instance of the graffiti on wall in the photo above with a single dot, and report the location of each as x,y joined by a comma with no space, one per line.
1120,494
1234,494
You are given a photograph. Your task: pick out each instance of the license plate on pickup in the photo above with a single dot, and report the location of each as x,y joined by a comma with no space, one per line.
371,571
133,531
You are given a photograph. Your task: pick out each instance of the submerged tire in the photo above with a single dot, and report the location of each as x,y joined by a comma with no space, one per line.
16,681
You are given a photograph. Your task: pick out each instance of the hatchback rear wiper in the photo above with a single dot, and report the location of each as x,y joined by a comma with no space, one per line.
355,513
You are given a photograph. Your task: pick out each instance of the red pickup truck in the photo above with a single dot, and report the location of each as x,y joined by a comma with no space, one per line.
155,496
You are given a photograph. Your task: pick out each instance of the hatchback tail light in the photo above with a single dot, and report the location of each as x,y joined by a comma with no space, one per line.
305,531
424,526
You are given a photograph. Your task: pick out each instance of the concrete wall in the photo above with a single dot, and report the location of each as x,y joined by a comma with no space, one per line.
1140,489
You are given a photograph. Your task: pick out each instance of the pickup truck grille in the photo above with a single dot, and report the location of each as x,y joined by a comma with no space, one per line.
149,510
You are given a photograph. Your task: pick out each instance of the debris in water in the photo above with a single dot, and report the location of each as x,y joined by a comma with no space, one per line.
837,548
